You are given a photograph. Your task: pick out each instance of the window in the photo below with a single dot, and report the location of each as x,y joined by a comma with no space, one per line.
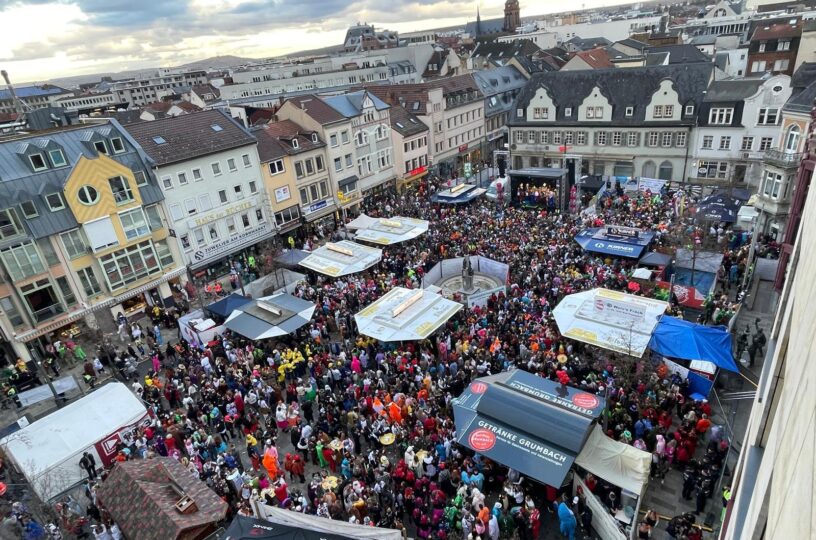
708,142
653,138
54,201
590,112
567,111
725,143
689,110
191,206
74,244
299,169
253,188
773,184
29,209
121,190
720,115
617,138
246,160
67,293
239,191
541,113
658,111
781,65
175,211
712,169
531,137
348,160
22,261
101,147
164,253
89,282
200,239
134,223
792,139
216,128
783,45
287,215
276,167
668,111
556,137
599,112
758,66
88,195
216,168
57,158
333,140
231,165
185,242
37,162
131,264
600,138
230,221
519,136
153,217
41,300
665,171
581,138
212,229
762,46
344,137
222,196
649,169
167,182
338,164
681,140
747,143
8,307
310,170
632,138
768,117
204,202
666,139
9,224
765,143
259,215
519,112
197,175
245,220
569,137
630,111
140,177
117,145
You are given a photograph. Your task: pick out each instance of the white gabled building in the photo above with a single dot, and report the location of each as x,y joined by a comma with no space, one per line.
207,165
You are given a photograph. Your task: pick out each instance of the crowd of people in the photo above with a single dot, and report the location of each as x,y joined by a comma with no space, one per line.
332,423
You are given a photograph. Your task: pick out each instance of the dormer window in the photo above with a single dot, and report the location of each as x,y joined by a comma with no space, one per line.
37,162
57,158
689,110
101,147
630,111
117,145
295,144
568,111
314,138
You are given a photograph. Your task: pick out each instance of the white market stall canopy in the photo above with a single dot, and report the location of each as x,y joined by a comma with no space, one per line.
392,230
342,258
272,316
620,464
609,319
405,315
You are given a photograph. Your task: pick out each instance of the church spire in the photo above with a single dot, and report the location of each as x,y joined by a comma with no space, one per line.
478,22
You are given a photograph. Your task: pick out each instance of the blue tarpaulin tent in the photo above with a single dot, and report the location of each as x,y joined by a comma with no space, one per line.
596,241
227,305
676,338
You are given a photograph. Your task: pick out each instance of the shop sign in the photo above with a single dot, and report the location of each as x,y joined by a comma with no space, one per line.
282,194
232,243
417,171
319,205
622,232
463,148
224,212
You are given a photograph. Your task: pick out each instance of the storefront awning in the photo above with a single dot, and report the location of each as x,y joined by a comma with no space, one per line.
609,319
271,316
405,315
342,258
529,423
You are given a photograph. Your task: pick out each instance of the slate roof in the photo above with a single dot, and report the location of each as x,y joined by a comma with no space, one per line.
202,89
589,43
495,50
732,90
629,87
681,54
321,112
803,84
405,123
18,183
776,31
633,43
486,26
189,136
350,105
414,97
275,140
498,85
721,60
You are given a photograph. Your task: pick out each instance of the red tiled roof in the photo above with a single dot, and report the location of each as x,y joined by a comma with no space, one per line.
275,140
778,30
596,58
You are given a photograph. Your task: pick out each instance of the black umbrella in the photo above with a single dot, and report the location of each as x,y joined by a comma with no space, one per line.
718,208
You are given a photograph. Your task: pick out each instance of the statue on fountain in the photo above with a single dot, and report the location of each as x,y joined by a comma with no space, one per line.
467,274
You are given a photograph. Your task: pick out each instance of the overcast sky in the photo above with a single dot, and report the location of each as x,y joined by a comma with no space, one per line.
43,39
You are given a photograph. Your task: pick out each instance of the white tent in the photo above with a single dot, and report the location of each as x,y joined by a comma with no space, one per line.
342,258
48,451
361,222
392,230
405,315
322,525
617,463
609,319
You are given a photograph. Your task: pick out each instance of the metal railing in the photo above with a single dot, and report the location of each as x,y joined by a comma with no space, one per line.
48,313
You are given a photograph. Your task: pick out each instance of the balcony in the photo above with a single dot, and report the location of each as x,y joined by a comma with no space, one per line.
785,160
54,310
